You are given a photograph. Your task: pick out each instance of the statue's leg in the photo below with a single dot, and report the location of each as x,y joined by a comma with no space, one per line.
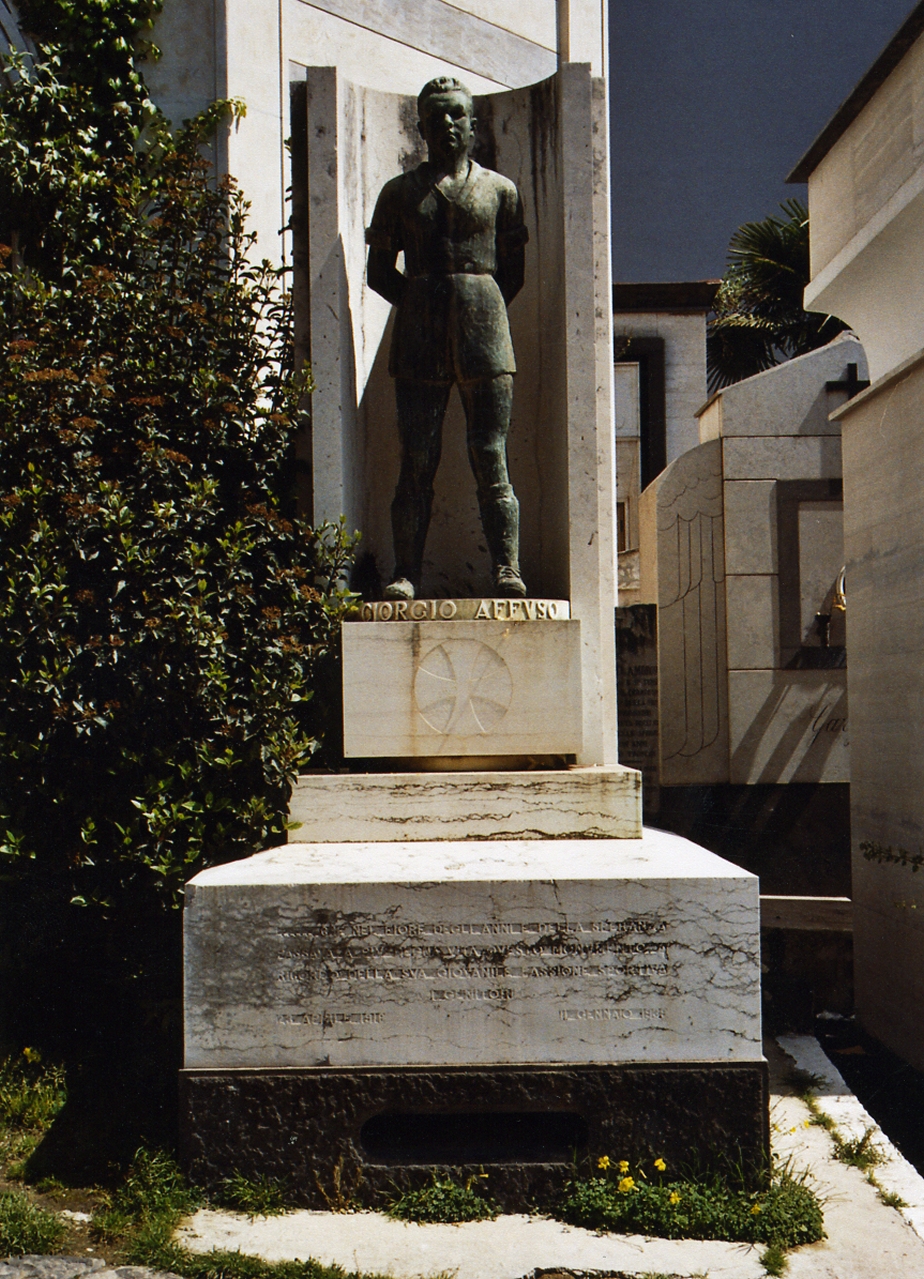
421,409
488,404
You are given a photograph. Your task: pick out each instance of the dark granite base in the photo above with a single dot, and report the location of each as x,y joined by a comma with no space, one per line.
366,1132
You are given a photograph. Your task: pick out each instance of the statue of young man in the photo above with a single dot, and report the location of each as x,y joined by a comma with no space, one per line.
462,233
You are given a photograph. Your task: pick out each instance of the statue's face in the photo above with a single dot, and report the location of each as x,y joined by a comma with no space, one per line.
447,124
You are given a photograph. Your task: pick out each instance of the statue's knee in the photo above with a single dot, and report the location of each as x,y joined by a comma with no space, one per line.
491,494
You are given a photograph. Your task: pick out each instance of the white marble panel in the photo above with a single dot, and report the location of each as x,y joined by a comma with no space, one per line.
808,457
447,32
688,546
753,622
750,527
791,398
414,689
788,726
574,803
473,953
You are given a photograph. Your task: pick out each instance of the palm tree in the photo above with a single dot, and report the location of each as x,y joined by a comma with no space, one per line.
759,319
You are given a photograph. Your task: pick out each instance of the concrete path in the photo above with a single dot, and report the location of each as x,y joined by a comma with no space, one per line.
508,1248
866,1239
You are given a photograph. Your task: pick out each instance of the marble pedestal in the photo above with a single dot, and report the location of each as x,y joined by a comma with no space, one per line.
355,1000
567,803
462,678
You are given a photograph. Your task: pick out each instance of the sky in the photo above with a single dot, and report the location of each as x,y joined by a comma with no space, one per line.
713,102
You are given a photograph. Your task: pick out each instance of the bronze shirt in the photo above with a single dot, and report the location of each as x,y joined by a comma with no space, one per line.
452,323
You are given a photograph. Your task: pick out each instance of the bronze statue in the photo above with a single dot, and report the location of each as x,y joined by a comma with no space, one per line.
462,232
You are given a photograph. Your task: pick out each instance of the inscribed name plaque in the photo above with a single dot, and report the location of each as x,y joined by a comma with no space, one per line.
473,953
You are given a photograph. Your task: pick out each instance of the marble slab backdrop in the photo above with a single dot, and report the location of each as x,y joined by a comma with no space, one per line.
473,953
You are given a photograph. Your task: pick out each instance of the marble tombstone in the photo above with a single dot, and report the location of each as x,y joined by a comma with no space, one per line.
477,958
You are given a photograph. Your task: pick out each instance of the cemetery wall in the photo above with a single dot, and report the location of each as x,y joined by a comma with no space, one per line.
884,533
255,49
866,196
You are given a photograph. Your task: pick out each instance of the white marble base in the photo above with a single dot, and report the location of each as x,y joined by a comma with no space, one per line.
570,803
460,688
473,953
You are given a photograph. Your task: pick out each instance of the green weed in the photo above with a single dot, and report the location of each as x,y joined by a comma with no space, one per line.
31,1094
154,1194
233,1265
774,1261
25,1228
340,1196
890,1198
260,1196
787,1213
858,1152
444,1200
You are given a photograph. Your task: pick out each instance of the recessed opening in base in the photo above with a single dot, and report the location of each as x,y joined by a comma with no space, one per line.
474,1137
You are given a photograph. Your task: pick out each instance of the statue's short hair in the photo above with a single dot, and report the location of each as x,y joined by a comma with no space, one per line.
443,84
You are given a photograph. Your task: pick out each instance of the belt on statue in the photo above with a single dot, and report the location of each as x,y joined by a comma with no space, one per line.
464,269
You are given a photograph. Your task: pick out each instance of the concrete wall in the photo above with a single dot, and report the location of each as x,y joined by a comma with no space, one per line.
866,199
684,369
254,50
733,534
883,429
683,572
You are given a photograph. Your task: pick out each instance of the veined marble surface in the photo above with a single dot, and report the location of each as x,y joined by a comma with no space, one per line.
580,803
368,954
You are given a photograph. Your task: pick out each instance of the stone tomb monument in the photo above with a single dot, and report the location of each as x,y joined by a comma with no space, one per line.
477,958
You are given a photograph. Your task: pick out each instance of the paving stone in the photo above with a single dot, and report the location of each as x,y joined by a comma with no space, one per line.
37,1267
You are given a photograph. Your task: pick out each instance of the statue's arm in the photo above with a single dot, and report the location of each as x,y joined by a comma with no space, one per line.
384,277
511,270
511,237
385,243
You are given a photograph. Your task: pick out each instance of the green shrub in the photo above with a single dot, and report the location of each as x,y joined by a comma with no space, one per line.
31,1094
25,1228
787,1213
444,1200
165,619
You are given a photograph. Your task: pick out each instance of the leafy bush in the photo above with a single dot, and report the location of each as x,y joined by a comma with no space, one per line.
164,617
444,1200
31,1094
25,1228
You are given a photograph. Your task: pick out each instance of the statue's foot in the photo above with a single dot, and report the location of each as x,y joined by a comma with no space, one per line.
508,583
399,589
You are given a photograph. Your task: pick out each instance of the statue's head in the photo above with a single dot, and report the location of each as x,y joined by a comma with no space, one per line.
446,117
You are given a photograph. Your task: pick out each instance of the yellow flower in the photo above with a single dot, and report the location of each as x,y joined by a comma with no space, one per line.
660,1165
603,1162
755,1209
674,1198
626,1185
623,1165
32,1054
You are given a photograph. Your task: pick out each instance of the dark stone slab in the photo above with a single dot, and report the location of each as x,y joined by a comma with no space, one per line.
366,1133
